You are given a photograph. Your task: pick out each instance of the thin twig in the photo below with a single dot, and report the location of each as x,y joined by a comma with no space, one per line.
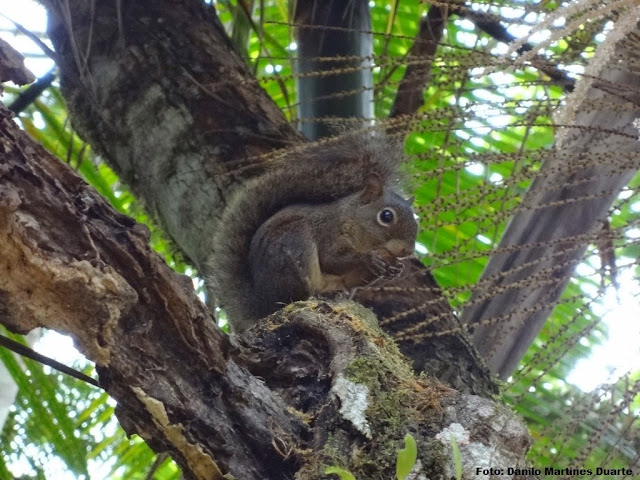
25,351
29,95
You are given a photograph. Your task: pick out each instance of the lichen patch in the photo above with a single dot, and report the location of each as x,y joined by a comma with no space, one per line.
354,402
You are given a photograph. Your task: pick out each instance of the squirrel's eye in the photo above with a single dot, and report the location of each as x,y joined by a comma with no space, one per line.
386,217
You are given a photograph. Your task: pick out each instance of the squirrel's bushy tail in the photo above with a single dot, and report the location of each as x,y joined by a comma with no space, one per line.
318,172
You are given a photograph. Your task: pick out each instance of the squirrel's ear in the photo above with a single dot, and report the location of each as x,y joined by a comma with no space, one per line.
372,189
411,199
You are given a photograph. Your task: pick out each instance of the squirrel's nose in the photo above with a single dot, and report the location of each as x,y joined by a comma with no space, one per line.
399,249
406,251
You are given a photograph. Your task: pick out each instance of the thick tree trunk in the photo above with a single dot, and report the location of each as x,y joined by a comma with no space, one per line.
564,209
157,88
334,63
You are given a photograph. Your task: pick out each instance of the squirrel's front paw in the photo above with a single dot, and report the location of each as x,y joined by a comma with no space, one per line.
384,265
334,295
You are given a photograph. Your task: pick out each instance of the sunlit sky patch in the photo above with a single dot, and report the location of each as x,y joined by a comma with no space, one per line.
30,15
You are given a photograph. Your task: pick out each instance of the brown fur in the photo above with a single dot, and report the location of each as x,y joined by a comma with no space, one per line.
319,174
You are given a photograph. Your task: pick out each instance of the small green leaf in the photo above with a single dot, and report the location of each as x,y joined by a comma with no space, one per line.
457,459
341,472
406,457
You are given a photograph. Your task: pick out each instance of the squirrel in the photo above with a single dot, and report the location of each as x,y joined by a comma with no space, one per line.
330,219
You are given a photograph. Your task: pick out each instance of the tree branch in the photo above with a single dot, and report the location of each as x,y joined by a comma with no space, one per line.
410,95
30,95
12,66
73,264
27,352
159,90
559,209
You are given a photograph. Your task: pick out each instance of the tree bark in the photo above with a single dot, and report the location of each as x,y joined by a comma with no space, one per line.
334,64
158,90
73,264
563,209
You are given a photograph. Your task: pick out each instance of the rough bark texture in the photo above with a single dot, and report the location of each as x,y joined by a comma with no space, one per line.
12,66
563,210
413,310
157,89
73,264
323,357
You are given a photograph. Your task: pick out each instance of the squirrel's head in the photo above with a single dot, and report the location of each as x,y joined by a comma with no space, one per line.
387,219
